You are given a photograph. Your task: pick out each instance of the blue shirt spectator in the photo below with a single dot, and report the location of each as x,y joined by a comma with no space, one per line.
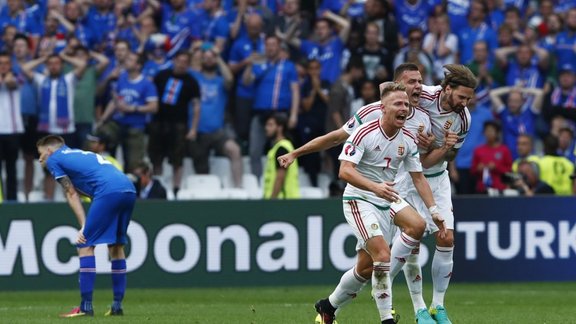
134,92
566,40
181,25
241,50
213,103
410,14
101,21
476,29
273,82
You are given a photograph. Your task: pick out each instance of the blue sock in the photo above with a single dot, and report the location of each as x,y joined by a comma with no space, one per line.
118,282
87,278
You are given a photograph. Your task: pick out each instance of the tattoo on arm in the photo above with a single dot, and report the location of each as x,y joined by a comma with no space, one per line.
66,183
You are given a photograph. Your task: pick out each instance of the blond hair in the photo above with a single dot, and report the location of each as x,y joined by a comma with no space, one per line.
387,88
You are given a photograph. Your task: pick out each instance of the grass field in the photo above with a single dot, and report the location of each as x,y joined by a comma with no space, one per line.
467,303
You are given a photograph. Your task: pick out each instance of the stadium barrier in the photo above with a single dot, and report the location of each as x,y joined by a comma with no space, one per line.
247,243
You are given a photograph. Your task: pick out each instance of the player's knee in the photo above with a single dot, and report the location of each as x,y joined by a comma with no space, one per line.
381,256
447,240
416,228
365,272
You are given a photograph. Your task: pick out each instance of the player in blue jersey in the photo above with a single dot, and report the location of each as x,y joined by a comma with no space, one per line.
113,196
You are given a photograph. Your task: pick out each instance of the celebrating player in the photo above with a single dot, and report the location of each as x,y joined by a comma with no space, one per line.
113,196
450,121
370,160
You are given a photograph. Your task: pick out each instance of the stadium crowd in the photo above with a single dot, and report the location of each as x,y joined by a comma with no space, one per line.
197,78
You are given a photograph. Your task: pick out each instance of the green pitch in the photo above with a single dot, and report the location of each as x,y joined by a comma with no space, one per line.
466,303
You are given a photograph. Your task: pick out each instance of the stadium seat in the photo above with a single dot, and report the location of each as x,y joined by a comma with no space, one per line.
236,193
312,193
251,185
209,182
220,166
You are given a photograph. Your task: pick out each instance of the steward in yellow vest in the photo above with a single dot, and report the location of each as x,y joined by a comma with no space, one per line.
279,183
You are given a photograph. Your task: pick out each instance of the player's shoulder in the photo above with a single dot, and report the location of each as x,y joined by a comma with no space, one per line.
364,131
465,119
368,109
429,93
408,136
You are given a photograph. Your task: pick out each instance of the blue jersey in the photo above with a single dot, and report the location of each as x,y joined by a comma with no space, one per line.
215,27
410,16
273,83
355,10
565,48
457,11
90,173
25,22
137,92
514,125
329,55
28,92
213,103
529,77
468,36
181,27
100,24
241,50
151,68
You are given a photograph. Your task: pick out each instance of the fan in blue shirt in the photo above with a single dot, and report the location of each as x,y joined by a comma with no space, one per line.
113,197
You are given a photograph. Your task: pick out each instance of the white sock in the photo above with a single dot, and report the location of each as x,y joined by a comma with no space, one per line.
441,273
350,284
381,289
401,249
413,275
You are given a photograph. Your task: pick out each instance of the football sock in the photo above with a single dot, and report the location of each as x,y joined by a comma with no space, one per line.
350,284
381,289
87,277
441,273
118,282
401,249
413,275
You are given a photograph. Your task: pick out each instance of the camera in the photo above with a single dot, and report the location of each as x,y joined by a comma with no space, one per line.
509,178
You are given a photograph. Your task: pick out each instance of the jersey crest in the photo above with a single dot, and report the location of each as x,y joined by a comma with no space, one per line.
448,124
400,149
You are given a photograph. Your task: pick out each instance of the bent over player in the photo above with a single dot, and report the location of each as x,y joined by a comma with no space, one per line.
113,197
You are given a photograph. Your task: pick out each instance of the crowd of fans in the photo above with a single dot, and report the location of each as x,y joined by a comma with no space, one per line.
191,78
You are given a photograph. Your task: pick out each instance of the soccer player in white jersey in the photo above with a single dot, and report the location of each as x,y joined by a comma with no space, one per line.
417,122
450,121
369,162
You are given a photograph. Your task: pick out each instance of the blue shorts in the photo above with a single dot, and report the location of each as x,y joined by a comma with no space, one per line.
108,218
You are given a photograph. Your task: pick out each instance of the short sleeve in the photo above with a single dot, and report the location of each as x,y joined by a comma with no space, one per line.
412,160
54,168
151,93
352,152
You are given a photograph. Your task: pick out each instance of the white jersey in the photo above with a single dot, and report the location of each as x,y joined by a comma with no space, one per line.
365,114
378,157
443,121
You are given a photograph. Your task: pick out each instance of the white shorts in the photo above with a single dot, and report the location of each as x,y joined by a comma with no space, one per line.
442,192
368,220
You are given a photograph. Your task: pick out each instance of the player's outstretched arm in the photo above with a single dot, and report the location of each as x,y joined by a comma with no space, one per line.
423,188
74,202
318,144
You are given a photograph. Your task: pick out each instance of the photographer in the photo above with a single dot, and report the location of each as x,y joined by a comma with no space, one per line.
527,180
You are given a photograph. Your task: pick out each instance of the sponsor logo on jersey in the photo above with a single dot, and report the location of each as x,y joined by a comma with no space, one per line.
350,150
377,149
418,278
351,122
401,260
448,124
400,149
448,275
